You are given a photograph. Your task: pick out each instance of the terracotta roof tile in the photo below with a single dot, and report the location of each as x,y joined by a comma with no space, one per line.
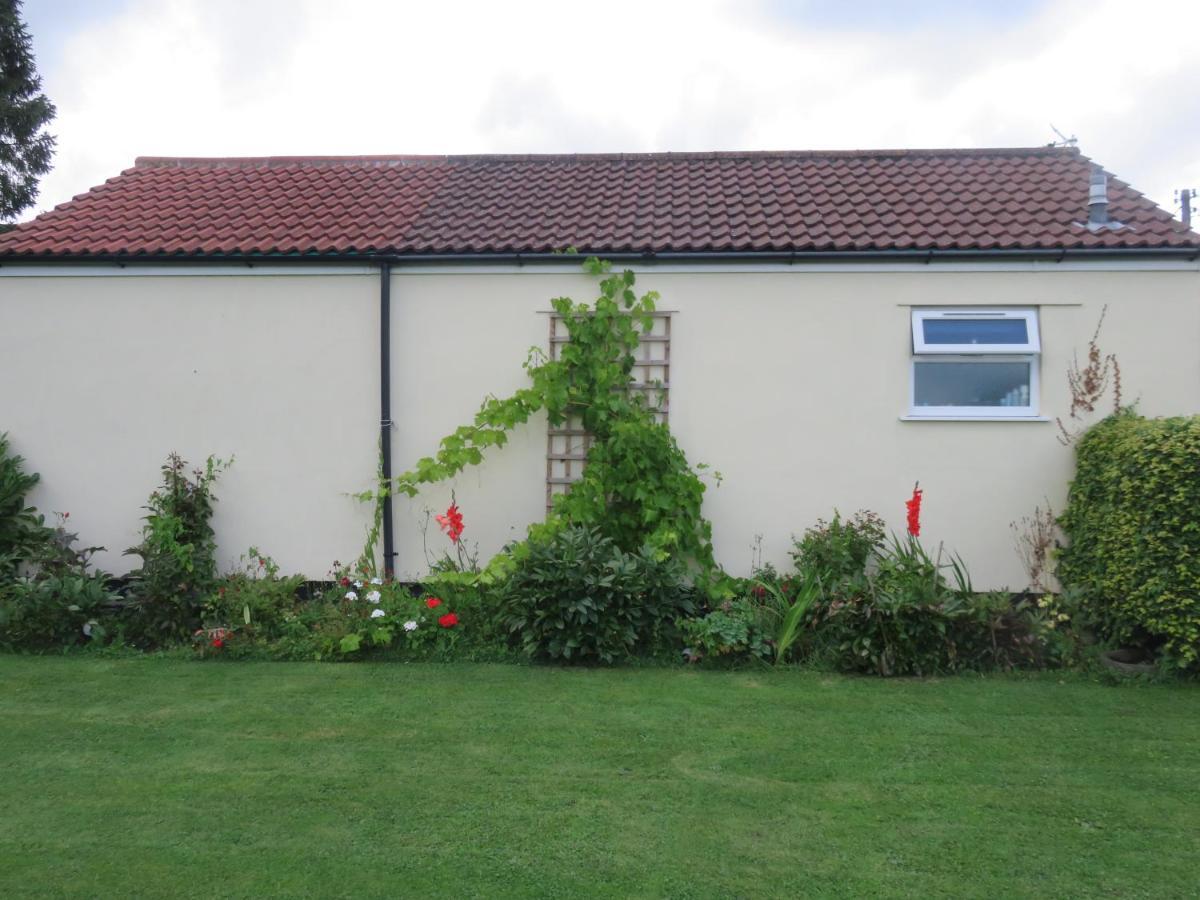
1032,198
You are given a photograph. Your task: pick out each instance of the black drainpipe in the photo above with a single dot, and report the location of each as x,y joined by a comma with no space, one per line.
385,409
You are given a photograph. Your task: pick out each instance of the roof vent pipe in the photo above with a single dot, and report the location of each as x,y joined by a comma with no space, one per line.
1098,198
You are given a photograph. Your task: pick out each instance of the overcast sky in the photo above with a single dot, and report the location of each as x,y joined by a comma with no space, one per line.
255,77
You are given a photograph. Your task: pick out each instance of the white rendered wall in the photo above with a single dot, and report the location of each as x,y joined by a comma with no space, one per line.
101,377
790,382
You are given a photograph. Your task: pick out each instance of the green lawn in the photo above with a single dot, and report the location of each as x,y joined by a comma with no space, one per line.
151,777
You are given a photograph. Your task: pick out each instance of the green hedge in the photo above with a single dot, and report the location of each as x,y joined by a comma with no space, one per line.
1133,525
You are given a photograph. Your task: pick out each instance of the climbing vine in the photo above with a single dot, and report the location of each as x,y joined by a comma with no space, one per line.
637,487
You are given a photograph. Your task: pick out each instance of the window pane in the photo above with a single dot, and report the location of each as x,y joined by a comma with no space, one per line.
976,331
972,383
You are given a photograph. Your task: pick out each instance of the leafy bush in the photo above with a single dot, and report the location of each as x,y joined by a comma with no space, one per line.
61,602
22,530
55,611
903,617
1134,533
178,551
839,549
256,598
761,617
257,613
735,629
576,596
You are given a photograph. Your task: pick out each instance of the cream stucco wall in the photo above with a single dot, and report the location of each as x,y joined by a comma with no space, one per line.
790,382
103,376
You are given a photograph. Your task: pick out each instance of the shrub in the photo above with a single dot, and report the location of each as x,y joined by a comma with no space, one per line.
178,551
61,602
54,611
257,613
839,549
22,530
1133,533
891,609
576,596
735,629
255,599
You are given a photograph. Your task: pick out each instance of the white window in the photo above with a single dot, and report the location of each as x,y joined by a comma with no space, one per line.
975,363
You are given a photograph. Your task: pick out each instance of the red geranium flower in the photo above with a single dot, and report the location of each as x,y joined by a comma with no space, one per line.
218,643
913,506
433,602
451,523
449,620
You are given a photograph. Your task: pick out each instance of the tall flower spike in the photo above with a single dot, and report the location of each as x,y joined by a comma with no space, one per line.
913,505
451,523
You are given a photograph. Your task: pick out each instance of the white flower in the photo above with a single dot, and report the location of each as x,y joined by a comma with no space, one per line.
410,625
358,584
350,595
377,614
374,596
376,580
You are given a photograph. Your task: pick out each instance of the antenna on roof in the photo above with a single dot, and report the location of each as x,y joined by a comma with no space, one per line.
1063,140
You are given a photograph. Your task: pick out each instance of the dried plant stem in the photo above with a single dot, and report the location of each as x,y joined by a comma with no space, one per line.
1089,383
1035,537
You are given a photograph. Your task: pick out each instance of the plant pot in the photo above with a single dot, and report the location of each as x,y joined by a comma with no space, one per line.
1128,661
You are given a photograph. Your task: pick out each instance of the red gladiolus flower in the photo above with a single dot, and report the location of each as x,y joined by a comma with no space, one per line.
433,602
913,506
449,620
451,523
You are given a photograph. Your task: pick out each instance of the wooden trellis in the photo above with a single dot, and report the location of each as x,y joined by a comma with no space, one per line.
567,445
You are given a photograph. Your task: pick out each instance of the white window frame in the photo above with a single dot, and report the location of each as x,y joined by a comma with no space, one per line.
1028,314
932,354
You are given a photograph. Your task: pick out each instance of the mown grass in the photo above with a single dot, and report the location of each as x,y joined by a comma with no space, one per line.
158,778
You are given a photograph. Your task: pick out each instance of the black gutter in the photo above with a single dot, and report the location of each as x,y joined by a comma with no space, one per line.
1054,254
385,411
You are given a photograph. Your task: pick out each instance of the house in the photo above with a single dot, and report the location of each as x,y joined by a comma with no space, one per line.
837,326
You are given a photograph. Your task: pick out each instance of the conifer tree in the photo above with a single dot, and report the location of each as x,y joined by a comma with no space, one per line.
25,147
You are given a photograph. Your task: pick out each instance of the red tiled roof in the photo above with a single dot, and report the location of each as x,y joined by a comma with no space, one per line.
1013,199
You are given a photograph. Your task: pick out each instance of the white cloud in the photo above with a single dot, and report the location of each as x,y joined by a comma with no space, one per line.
219,77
